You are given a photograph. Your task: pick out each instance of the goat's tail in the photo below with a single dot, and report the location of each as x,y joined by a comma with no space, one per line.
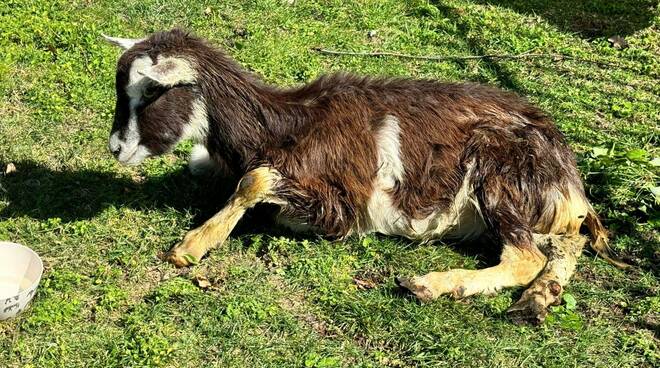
599,239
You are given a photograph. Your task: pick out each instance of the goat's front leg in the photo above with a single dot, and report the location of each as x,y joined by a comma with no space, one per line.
254,187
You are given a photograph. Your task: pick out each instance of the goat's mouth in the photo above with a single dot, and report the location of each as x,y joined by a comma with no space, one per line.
134,156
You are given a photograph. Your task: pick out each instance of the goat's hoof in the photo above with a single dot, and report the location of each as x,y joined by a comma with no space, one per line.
423,293
527,311
181,259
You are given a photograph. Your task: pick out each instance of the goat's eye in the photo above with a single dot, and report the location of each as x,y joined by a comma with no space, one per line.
150,93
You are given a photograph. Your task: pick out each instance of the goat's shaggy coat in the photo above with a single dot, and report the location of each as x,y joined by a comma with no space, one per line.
346,154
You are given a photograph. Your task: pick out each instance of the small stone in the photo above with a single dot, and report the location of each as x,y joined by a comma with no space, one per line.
10,169
372,33
202,282
208,10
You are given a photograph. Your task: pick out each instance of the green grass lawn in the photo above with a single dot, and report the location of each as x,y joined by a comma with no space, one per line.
106,298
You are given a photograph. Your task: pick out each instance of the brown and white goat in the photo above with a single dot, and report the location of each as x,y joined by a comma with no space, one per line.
348,155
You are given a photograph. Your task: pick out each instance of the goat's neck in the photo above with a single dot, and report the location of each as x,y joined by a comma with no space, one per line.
245,116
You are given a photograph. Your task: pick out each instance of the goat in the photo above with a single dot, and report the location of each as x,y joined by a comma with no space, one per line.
351,155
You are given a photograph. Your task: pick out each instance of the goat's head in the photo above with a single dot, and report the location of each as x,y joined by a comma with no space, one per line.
158,100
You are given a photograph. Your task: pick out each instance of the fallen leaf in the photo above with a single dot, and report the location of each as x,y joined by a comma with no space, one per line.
618,42
11,168
208,10
202,282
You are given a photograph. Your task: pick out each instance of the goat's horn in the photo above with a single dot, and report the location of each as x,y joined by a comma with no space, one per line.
124,43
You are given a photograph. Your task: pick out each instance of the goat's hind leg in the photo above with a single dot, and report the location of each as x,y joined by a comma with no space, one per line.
518,266
254,187
562,252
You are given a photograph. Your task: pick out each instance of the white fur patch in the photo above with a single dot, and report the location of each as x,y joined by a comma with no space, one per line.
200,160
462,220
389,150
198,123
198,126
383,216
137,82
131,152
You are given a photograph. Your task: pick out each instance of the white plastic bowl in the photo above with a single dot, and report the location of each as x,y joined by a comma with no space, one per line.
20,273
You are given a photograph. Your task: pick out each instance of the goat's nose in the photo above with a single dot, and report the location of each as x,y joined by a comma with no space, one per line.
116,151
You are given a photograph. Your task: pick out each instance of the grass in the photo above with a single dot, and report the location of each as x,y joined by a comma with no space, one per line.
106,300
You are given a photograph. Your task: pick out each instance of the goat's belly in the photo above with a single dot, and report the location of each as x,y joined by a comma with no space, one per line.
295,225
461,221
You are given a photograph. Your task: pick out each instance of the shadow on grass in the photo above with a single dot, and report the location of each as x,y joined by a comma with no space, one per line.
41,193
476,48
588,18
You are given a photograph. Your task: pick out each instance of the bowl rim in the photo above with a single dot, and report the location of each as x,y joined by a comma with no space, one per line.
34,284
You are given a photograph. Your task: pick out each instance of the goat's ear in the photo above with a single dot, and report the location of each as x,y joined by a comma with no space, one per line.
170,71
124,43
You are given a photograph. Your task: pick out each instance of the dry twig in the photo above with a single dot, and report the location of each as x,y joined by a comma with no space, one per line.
525,55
